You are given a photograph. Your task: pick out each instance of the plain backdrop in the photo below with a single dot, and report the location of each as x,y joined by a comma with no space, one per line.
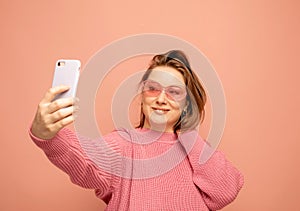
253,45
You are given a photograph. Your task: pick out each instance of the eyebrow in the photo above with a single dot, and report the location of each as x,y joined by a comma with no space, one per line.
178,85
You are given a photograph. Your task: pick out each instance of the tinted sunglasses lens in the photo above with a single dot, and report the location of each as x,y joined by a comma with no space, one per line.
151,88
175,93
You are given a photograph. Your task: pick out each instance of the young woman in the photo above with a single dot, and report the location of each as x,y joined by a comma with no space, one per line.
172,106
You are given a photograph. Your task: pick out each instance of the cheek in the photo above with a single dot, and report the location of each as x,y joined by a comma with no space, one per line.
178,106
146,101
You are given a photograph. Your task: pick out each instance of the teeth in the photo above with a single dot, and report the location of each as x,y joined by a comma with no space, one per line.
160,111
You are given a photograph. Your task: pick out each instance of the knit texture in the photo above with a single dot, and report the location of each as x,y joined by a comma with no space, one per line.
141,169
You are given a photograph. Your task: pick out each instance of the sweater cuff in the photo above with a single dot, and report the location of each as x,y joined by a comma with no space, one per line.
56,146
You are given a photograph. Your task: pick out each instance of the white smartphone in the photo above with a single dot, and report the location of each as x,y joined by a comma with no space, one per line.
66,73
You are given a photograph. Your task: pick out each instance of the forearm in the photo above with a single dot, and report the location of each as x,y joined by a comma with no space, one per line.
65,152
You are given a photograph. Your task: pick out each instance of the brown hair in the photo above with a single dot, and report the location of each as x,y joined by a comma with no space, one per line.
196,97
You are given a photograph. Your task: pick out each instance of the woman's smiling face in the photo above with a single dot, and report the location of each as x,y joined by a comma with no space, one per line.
163,99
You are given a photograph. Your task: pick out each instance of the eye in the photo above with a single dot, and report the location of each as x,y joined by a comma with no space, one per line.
175,91
151,86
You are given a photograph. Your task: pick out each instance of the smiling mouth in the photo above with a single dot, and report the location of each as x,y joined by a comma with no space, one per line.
160,110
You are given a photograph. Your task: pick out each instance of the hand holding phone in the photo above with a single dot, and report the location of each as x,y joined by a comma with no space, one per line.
52,115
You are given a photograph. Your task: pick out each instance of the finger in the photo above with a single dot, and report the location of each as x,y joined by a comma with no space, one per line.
62,113
60,103
64,122
52,92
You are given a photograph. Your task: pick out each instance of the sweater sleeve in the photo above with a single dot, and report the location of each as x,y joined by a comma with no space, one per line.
217,179
65,152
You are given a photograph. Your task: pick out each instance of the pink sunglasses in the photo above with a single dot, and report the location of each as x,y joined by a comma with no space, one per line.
153,89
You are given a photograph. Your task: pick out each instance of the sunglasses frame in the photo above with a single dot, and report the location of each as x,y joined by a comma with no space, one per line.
165,90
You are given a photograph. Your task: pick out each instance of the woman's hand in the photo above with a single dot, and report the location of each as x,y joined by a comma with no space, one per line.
53,116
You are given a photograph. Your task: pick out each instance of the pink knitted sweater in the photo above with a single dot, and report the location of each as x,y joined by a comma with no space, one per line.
139,170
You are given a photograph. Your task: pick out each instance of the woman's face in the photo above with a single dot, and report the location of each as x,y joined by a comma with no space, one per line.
163,98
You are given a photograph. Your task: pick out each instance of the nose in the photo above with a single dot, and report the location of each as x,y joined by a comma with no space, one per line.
161,98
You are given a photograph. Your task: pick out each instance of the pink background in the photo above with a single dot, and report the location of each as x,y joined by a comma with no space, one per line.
253,45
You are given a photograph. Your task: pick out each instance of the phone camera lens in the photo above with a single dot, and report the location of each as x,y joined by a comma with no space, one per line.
61,63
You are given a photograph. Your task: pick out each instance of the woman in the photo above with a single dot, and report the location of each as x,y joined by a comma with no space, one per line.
172,105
